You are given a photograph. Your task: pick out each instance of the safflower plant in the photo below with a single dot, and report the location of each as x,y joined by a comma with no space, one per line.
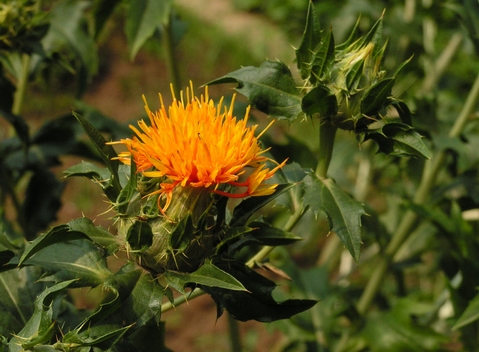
190,189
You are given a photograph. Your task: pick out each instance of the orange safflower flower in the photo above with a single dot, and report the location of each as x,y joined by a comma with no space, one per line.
198,144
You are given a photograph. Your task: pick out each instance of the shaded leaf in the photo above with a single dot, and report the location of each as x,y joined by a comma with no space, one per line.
66,28
18,290
257,302
106,151
102,10
319,100
310,40
396,331
42,201
272,236
324,58
40,327
471,314
399,139
376,97
344,213
248,207
143,18
270,88
140,235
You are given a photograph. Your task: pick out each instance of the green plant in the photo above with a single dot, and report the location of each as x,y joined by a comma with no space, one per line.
397,192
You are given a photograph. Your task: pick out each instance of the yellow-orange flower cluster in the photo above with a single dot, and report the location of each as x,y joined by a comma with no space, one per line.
198,144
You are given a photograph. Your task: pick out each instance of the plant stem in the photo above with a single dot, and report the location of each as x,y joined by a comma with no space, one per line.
21,85
327,133
429,176
171,62
235,339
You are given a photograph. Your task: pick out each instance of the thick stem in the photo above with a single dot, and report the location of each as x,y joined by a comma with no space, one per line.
21,85
431,170
327,133
235,338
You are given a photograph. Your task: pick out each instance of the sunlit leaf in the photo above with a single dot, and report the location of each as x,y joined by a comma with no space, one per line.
75,259
344,213
207,275
269,87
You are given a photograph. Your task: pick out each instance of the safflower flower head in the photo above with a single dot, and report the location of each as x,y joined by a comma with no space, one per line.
198,144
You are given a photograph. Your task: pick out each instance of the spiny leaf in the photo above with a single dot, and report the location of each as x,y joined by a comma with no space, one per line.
399,139
256,302
344,213
249,206
319,100
270,88
324,58
106,151
207,275
40,327
309,42
376,97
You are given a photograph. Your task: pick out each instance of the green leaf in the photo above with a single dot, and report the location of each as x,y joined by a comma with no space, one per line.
309,42
79,259
144,17
272,236
102,10
320,101
399,139
42,201
471,314
403,111
96,234
67,27
40,327
128,191
344,213
131,310
248,207
256,302
270,88
324,58
376,97
396,331
207,275
140,235
18,289
106,151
